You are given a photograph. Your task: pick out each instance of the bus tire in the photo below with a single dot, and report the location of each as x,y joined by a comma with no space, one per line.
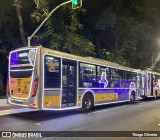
132,97
87,103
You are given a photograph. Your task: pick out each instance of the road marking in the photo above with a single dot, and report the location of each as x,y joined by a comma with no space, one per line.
98,111
38,124
106,109
14,111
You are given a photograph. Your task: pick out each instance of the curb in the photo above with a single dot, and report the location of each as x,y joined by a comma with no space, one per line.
3,102
15,111
7,109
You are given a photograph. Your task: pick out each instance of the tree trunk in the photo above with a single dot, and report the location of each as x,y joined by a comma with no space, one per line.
20,21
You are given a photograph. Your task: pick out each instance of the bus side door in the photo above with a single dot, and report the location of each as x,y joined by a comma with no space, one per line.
69,82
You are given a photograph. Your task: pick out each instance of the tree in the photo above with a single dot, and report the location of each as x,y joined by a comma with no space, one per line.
119,30
17,4
63,34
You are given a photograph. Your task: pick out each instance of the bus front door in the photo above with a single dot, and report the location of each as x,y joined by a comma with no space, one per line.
69,73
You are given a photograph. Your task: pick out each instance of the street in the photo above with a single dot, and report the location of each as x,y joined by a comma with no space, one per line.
140,116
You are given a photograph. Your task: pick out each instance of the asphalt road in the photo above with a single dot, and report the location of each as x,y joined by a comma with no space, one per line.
140,116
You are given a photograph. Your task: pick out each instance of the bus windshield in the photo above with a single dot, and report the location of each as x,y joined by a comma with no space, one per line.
22,59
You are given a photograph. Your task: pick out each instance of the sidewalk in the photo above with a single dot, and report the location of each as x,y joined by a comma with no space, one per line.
5,106
3,102
6,109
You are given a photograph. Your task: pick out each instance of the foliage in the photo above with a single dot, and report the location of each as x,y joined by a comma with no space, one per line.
66,38
125,31
122,31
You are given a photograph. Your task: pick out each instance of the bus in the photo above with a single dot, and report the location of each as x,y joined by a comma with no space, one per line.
47,79
151,84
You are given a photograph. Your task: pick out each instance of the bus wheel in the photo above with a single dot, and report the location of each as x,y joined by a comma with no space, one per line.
132,97
87,103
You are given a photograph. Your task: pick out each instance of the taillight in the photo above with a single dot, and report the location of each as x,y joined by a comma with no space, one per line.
35,86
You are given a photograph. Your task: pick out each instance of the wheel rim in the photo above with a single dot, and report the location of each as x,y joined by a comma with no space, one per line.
87,103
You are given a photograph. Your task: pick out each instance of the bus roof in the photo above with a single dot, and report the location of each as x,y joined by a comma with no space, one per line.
91,60
152,72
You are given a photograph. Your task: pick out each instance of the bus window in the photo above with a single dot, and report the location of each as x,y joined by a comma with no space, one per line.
99,72
134,78
103,76
156,80
51,72
128,79
87,76
23,59
116,78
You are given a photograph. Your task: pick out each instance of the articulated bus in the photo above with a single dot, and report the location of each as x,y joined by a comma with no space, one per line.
46,79
150,84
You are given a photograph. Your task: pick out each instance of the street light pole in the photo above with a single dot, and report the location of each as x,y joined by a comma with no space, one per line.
30,37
